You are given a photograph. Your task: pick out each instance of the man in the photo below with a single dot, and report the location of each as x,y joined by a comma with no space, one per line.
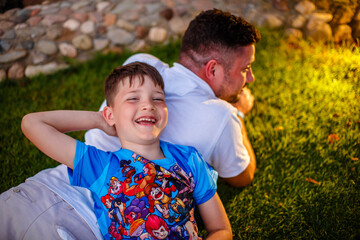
214,63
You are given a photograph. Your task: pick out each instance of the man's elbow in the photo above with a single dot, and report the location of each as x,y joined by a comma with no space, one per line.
243,179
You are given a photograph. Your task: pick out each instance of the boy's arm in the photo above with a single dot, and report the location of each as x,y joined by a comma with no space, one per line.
215,219
46,130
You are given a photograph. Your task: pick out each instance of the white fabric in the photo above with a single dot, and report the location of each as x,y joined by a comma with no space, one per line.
196,118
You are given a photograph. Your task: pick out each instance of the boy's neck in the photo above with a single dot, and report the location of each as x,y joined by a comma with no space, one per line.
149,151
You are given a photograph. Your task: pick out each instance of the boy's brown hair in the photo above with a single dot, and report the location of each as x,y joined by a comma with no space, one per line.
130,71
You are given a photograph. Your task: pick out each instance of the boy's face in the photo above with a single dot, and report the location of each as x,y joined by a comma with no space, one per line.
139,112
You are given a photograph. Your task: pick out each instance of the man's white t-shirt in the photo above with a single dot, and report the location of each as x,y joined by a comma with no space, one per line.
196,118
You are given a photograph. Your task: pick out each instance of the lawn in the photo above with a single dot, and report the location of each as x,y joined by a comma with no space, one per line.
304,127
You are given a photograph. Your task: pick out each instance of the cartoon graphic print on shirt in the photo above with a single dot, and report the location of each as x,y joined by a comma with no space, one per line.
147,201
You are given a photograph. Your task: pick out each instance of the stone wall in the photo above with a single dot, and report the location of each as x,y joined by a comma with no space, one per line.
39,38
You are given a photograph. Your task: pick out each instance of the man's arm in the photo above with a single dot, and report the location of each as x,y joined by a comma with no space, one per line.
46,130
244,105
246,177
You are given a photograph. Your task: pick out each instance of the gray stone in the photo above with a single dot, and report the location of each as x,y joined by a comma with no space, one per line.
11,34
100,44
12,56
47,47
6,25
5,45
22,15
125,25
2,75
157,34
123,7
71,24
342,33
80,4
87,27
37,57
101,6
54,32
27,44
48,68
67,50
153,8
178,25
83,42
16,71
318,18
120,36
305,7
52,19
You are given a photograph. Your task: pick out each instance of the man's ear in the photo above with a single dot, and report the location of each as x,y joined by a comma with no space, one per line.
108,115
210,69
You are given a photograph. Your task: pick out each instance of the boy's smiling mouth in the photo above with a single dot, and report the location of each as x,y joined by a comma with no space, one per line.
146,120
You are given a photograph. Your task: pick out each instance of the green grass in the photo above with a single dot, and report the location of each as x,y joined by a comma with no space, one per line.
304,188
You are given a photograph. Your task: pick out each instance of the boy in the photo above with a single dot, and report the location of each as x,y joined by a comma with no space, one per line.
145,190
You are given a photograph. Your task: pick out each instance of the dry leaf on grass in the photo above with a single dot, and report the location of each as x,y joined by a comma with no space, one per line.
310,180
333,138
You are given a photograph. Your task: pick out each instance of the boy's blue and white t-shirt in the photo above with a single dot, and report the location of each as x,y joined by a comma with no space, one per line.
136,198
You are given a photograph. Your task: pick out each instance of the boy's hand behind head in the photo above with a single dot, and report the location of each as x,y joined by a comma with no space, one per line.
110,130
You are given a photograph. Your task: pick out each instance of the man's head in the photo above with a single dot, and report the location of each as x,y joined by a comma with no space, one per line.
219,39
136,104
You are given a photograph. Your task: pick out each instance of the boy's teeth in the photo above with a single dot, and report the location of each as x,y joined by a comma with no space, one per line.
146,119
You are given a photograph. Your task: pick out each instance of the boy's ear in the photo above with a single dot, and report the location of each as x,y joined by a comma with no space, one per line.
108,115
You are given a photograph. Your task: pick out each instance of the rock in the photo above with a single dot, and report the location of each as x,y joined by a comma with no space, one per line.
119,36
87,27
141,32
5,45
153,8
343,15
96,17
52,19
2,75
357,16
320,32
22,15
123,7
131,15
115,49
35,12
80,4
66,11
27,44
280,5
71,24
82,17
37,57
138,45
33,21
305,7
270,20
125,25
47,47
101,6
54,32
201,5
100,44
11,34
342,33
109,19
157,34
12,56
297,21
322,4
6,25
16,71
293,34
48,68
318,18
178,25
68,50
83,42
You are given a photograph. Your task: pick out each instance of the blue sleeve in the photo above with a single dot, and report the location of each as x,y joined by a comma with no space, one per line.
205,178
89,164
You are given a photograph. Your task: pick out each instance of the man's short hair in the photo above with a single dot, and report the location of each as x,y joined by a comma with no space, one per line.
130,71
217,31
